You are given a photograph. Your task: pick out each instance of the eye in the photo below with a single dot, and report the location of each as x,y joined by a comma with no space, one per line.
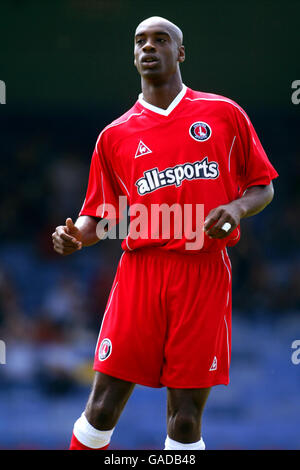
161,40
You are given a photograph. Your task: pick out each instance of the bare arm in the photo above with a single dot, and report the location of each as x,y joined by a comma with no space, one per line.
72,237
253,201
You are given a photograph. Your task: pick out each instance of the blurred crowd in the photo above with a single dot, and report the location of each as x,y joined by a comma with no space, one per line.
51,307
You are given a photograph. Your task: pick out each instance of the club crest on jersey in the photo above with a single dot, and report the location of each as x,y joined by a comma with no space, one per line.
105,349
200,131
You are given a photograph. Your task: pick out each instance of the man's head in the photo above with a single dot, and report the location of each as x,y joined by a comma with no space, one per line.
158,49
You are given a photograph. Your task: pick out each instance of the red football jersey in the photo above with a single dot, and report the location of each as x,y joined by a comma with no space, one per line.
201,150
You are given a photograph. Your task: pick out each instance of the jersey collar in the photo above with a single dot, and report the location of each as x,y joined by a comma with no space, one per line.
163,112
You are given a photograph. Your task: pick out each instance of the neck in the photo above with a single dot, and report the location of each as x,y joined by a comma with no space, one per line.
161,94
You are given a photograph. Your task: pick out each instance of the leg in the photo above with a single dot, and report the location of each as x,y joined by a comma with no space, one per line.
197,348
106,402
185,408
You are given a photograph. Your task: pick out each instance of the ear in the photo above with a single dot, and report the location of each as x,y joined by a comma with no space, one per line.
181,54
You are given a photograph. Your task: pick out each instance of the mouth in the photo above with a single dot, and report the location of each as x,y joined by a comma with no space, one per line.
149,61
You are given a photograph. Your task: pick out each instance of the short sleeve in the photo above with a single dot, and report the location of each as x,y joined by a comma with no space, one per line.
103,190
255,168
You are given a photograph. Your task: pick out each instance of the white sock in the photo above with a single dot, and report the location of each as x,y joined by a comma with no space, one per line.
90,436
174,445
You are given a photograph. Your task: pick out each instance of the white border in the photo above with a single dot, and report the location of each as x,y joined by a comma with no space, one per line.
163,112
230,153
225,101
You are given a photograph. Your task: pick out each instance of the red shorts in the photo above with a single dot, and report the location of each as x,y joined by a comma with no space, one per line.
168,320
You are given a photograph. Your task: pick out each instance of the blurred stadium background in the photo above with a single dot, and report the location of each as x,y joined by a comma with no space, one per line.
68,70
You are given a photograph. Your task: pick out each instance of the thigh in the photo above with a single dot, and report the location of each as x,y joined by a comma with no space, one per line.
108,389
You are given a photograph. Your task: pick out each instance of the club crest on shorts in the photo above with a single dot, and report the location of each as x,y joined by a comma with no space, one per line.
200,131
104,349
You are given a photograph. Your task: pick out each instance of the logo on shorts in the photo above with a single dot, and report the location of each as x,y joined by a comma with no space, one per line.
105,349
214,364
200,131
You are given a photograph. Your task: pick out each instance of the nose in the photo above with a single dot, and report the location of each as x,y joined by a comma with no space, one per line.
148,46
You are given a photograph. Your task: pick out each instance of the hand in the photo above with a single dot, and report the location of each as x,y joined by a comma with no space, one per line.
67,238
230,213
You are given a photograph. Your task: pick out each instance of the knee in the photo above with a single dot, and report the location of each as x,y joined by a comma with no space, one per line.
102,415
184,424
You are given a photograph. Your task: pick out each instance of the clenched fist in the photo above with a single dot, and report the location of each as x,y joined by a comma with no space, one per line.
218,217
